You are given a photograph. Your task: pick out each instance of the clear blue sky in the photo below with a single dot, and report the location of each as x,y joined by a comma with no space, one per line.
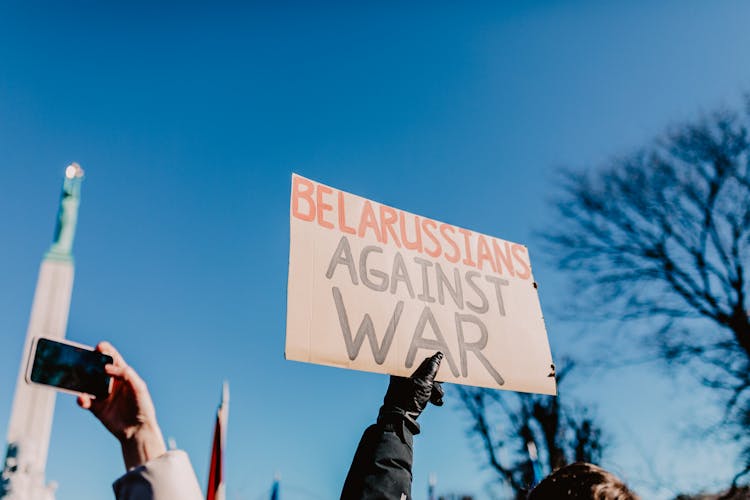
189,119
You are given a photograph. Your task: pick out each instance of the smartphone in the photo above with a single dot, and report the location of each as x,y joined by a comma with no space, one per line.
69,367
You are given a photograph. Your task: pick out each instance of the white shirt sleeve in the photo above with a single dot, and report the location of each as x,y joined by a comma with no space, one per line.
167,477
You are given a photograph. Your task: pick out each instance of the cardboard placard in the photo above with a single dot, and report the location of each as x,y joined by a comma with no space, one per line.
378,289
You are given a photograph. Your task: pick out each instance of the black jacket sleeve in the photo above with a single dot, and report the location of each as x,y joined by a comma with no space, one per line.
381,468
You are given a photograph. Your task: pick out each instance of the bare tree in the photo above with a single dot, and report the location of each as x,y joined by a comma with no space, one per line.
524,436
664,234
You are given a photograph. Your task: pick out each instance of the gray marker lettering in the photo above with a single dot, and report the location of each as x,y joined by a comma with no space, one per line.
456,291
364,272
498,282
475,347
366,329
342,255
419,342
425,295
400,274
470,275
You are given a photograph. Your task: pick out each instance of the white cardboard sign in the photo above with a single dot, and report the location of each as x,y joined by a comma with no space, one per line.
378,289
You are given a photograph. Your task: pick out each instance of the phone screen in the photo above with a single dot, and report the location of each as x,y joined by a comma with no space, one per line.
70,367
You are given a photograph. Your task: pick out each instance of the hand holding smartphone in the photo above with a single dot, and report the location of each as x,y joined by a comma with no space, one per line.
128,412
69,367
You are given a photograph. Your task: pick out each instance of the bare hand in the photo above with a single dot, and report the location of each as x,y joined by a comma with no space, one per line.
128,412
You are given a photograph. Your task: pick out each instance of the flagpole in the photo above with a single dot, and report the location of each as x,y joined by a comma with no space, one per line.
276,486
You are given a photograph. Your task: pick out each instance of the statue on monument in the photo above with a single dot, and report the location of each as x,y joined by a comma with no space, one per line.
67,216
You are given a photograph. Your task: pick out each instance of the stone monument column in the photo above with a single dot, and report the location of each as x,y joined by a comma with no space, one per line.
23,476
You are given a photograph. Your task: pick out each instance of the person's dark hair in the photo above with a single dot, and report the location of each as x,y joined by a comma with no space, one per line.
581,481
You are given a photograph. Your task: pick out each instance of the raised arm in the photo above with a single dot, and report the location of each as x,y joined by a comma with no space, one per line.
382,464
129,414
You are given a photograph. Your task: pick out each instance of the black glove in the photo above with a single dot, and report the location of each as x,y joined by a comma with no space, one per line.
407,397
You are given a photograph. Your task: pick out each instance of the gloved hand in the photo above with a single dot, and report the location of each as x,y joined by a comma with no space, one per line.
406,398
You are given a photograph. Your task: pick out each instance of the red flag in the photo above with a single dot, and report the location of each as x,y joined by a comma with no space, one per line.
215,489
